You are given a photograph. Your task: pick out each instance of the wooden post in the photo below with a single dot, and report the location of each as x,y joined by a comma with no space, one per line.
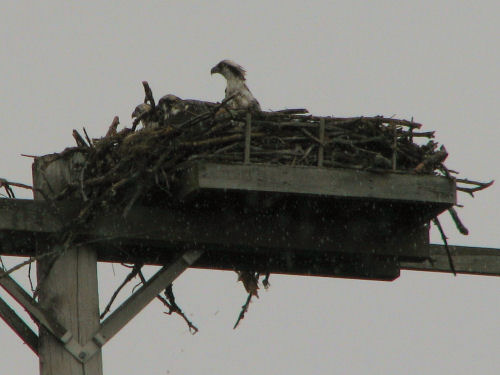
69,290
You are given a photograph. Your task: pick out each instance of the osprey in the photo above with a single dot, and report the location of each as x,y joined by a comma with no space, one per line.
148,121
235,77
250,281
176,111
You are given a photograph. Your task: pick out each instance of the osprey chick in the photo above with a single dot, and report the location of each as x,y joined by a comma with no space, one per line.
147,121
176,111
235,77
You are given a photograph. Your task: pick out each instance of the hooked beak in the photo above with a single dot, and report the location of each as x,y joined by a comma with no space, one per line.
214,70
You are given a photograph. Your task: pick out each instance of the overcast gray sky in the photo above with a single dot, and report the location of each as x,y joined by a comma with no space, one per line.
65,65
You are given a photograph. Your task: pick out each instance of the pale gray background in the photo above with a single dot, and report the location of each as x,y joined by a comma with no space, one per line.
67,65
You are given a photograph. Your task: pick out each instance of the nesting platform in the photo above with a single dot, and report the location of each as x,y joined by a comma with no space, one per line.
268,218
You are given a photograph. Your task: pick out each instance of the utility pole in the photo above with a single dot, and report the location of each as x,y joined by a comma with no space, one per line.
67,286
321,222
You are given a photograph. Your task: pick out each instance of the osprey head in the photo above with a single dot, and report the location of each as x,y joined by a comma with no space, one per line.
140,109
166,102
229,68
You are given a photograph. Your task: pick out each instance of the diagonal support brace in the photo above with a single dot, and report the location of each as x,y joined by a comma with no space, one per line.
18,325
43,317
114,323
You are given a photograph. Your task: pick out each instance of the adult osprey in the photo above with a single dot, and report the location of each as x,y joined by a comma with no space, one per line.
149,120
176,111
235,77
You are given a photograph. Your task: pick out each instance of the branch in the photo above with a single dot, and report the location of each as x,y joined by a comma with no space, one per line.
432,160
460,226
112,128
135,270
445,241
169,302
471,191
148,94
80,142
244,309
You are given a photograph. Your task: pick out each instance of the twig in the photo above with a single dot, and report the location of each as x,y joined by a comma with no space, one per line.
87,137
7,186
432,160
148,94
80,142
265,282
445,241
26,262
112,127
135,270
29,278
244,309
295,111
471,191
169,302
460,226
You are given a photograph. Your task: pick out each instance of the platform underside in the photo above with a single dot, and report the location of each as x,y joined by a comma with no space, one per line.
308,221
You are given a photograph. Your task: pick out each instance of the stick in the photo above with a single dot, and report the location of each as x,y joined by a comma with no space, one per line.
321,149
169,302
135,270
80,142
460,226
87,137
148,94
432,160
248,138
294,111
244,309
445,241
112,128
471,191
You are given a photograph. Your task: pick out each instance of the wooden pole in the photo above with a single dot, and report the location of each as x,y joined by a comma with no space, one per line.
69,290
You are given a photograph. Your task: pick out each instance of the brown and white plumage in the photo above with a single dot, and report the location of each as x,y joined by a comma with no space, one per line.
148,121
235,77
175,111
250,281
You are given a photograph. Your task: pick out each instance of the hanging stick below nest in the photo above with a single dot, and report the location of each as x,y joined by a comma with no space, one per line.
244,309
169,302
135,270
445,241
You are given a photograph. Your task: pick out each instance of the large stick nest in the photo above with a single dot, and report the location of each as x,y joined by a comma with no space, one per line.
139,162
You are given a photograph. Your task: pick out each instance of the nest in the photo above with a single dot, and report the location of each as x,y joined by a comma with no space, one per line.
135,163
143,165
